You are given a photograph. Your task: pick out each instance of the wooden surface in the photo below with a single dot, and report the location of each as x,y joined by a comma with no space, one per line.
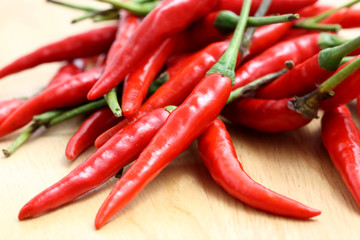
183,202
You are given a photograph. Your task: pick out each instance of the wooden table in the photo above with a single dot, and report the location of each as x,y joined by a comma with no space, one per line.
183,202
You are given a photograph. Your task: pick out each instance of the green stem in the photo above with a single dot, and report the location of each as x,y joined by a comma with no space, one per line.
44,118
107,17
329,40
320,27
86,108
225,66
113,103
330,58
20,140
308,105
250,88
163,78
137,8
226,20
95,14
346,59
74,6
249,33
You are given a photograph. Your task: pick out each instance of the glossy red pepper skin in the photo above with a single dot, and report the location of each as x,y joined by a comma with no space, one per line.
264,115
313,10
277,6
302,79
177,88
70,93
346,91
89,130
184,125
137,83
351,19
167,19
341,139
82,45
126,27
123,148
7,107
273,59
67,71
218,153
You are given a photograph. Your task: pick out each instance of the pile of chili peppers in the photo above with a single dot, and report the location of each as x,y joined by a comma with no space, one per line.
166,73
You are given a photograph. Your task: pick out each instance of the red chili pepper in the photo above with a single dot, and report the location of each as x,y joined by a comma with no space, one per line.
126,27
313,10
306,76
273,59
89,130
176,59
265,115
67,71
277,6
184,124
81,45
121,150
7,107
70,93
167,19
341,139
177,88
137,83
218,153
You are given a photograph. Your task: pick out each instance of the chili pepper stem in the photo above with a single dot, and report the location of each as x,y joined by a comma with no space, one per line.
134,7
86,108
330,58
113,103
251,87
329,40
226,20
96,14
74,6
225,66
308,105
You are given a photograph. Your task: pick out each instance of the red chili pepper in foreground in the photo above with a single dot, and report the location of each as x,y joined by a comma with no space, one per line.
67,71
137,83
277,6
218,153
89,130
184,125
265,115
341,139
274,58
121,150
70,93
167,19
7,107
82,45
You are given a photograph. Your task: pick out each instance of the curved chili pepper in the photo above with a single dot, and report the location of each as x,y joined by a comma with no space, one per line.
81,45
70,93
67,71
167,19
121,150
273,59
176,59
184,124
126,27
306,76
137,83
313,10
177,88
7,107
341,139
265,115
277,6
89,130
218,153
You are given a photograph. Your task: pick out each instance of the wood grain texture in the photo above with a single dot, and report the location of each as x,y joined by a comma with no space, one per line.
183,202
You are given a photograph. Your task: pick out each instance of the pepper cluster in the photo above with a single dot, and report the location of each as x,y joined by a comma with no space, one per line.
181,68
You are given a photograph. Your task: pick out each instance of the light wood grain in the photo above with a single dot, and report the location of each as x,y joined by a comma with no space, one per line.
183,202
